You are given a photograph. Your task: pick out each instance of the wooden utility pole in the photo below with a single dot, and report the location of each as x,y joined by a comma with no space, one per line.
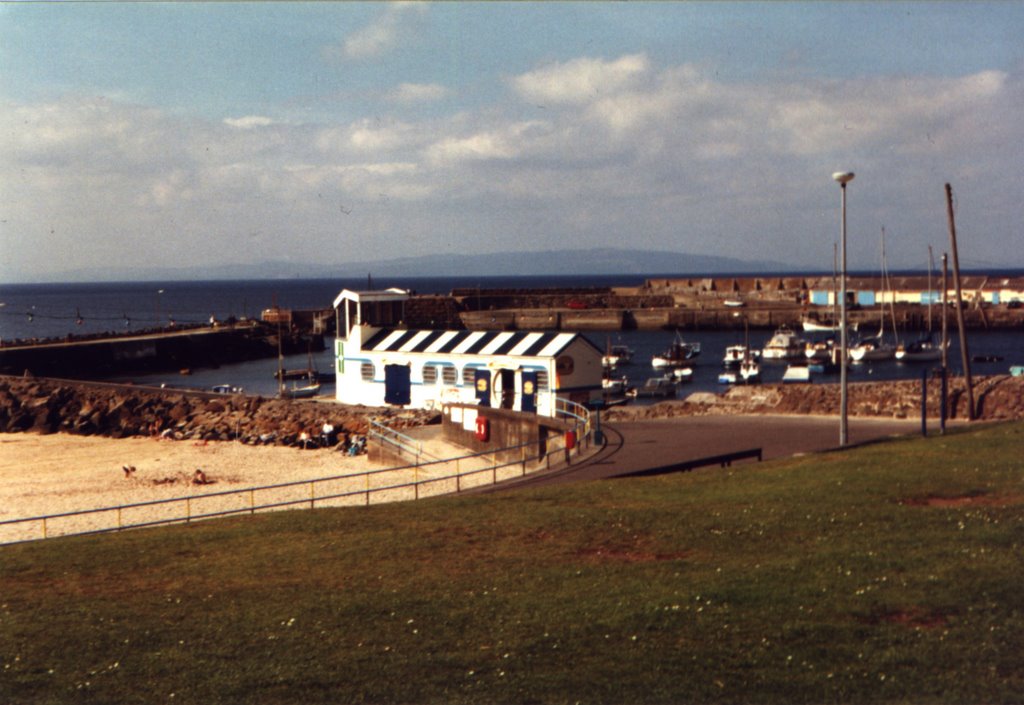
964,352
945,312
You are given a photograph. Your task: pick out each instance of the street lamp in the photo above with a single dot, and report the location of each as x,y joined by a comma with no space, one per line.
843,177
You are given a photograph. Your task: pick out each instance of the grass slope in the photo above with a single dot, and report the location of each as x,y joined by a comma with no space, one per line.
889,573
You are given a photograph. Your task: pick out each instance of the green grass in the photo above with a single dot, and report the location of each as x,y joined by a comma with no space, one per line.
828,578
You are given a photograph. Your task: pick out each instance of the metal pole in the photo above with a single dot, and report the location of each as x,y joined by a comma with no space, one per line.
843,400
945,343
964,353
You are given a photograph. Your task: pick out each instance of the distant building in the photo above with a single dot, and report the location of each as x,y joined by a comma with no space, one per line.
379,362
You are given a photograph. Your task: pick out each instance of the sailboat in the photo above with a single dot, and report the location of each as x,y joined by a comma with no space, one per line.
293,386
875,348
924,349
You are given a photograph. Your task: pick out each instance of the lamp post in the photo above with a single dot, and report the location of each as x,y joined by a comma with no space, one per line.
843,177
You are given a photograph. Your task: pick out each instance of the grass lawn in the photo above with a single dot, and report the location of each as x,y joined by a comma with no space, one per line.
889,573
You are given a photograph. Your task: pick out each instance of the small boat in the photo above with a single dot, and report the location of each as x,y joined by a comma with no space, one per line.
872,349
727,377
1017,370
614,385
986,358
678,355
658,387
750,371
784,345
736,354
820,350
617,355
681,374
796,374
812,326
226,389
298,390
734,303
923,350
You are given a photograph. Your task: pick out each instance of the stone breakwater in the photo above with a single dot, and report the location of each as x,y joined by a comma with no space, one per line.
997,397
45,406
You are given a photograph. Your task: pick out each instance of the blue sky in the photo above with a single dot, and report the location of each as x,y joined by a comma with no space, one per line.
198,133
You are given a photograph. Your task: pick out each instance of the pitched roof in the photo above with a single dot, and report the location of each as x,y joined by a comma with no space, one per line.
464,342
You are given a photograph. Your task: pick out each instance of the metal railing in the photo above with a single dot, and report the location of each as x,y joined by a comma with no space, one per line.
470,471
354,489
399,443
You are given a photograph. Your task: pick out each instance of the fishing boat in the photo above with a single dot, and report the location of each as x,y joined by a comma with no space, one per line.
783,345
679,354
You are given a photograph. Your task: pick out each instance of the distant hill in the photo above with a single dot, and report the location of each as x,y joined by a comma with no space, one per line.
541,263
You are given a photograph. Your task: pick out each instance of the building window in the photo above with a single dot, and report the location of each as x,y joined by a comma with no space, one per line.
542,380
429,374
366,369
448,375
469,375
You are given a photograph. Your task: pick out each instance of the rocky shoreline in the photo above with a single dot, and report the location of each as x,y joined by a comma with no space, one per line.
999,397
45,406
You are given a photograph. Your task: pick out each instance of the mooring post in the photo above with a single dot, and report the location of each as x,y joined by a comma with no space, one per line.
924,403
945,392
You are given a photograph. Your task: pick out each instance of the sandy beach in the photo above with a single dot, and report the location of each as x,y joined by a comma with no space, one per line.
56,473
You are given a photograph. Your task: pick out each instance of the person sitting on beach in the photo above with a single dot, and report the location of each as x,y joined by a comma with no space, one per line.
199,478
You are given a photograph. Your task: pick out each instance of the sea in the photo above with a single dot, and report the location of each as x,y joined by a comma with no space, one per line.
33,311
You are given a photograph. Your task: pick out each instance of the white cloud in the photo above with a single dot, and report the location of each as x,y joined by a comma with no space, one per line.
581,80
382,35
663,161
418,93
248,122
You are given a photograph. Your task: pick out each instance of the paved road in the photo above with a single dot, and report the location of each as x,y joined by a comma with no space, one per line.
638,445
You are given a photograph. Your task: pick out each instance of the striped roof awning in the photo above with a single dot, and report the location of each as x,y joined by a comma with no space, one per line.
464,342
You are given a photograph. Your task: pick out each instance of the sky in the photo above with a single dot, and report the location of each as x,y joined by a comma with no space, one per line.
187,134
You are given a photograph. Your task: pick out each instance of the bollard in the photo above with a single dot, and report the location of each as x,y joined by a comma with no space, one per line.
924,403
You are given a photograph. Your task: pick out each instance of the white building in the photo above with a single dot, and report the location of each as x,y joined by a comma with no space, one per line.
380,362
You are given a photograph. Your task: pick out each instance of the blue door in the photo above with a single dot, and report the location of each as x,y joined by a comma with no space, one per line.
530,391
397,385
482,381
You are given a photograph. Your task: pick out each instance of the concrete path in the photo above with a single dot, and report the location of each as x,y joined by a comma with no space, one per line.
639,445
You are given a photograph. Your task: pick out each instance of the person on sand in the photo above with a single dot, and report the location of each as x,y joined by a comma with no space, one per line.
199,478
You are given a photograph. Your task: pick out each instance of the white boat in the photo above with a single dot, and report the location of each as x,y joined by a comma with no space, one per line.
617,355
658,387
819,350
614,385
872,349
750,371
875,348
727,377
796,374
300,389
735,354
681,374
679,354
923,350
784,345
812,326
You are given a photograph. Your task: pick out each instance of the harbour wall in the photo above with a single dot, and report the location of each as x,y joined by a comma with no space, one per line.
907,317
161,351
